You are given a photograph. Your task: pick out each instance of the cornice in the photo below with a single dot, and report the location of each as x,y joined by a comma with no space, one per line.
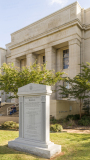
86,10
2,48
47,33
8,44
86,27
45,18
78,4
52,31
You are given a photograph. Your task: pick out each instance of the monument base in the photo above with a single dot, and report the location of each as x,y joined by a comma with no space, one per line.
45,152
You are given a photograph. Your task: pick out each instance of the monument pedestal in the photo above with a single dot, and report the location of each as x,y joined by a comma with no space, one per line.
24,145
34,122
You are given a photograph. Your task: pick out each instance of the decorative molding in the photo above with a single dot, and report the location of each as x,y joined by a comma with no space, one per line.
86,10
56,29
2,48
74,41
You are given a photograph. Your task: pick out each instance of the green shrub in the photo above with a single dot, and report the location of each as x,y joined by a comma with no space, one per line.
84,121
54,121
71,122
73,117
56,128
85,117
10,125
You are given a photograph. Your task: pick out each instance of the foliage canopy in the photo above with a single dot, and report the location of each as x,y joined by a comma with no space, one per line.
11,77
79,86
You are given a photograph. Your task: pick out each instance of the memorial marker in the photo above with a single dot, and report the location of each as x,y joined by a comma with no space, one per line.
34,121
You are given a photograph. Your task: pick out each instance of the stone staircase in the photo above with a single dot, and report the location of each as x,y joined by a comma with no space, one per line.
3,111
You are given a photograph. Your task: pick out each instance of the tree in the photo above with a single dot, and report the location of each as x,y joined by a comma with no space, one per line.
86,106
79,86
11,77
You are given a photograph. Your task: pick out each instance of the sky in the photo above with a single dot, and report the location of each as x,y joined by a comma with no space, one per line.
16,14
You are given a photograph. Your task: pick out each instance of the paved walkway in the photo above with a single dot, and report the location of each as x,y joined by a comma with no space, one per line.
81,130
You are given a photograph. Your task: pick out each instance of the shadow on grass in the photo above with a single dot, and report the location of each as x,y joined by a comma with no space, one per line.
79,153
6,150
1,129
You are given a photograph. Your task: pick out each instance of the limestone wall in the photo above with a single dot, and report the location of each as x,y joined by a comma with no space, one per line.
2,56
87,16
8,53
61,108
2,60
60,37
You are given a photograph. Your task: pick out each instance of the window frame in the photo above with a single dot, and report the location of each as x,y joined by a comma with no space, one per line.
43,59
65,58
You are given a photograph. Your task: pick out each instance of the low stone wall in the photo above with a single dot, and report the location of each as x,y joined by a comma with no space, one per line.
61,108
5,118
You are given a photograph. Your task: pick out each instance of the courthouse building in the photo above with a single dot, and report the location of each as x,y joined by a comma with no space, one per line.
61,39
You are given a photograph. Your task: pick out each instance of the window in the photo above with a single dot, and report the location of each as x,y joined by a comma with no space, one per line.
66,85
65,59
43,59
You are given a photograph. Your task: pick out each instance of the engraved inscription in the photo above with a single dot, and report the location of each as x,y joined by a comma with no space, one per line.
32,123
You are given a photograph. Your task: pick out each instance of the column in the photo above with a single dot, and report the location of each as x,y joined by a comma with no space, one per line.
16,62
83,59
50,56
30,59
59,68
59,60
74,57
39,59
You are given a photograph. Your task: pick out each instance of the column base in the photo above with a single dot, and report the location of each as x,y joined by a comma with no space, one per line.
45,151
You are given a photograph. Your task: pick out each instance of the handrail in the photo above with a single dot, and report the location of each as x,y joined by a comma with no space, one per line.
8,110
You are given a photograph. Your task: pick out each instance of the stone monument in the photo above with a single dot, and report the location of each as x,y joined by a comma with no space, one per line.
34,121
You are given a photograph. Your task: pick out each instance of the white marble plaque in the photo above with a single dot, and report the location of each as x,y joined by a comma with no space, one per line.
32,116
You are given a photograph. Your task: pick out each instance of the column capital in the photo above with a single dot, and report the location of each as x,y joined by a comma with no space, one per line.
50,49
28,53
31,58
16,62
74,41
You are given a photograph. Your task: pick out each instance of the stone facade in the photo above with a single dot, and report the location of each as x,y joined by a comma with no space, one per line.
66,29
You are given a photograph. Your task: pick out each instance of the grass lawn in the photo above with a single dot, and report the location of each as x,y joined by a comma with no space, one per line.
74,146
